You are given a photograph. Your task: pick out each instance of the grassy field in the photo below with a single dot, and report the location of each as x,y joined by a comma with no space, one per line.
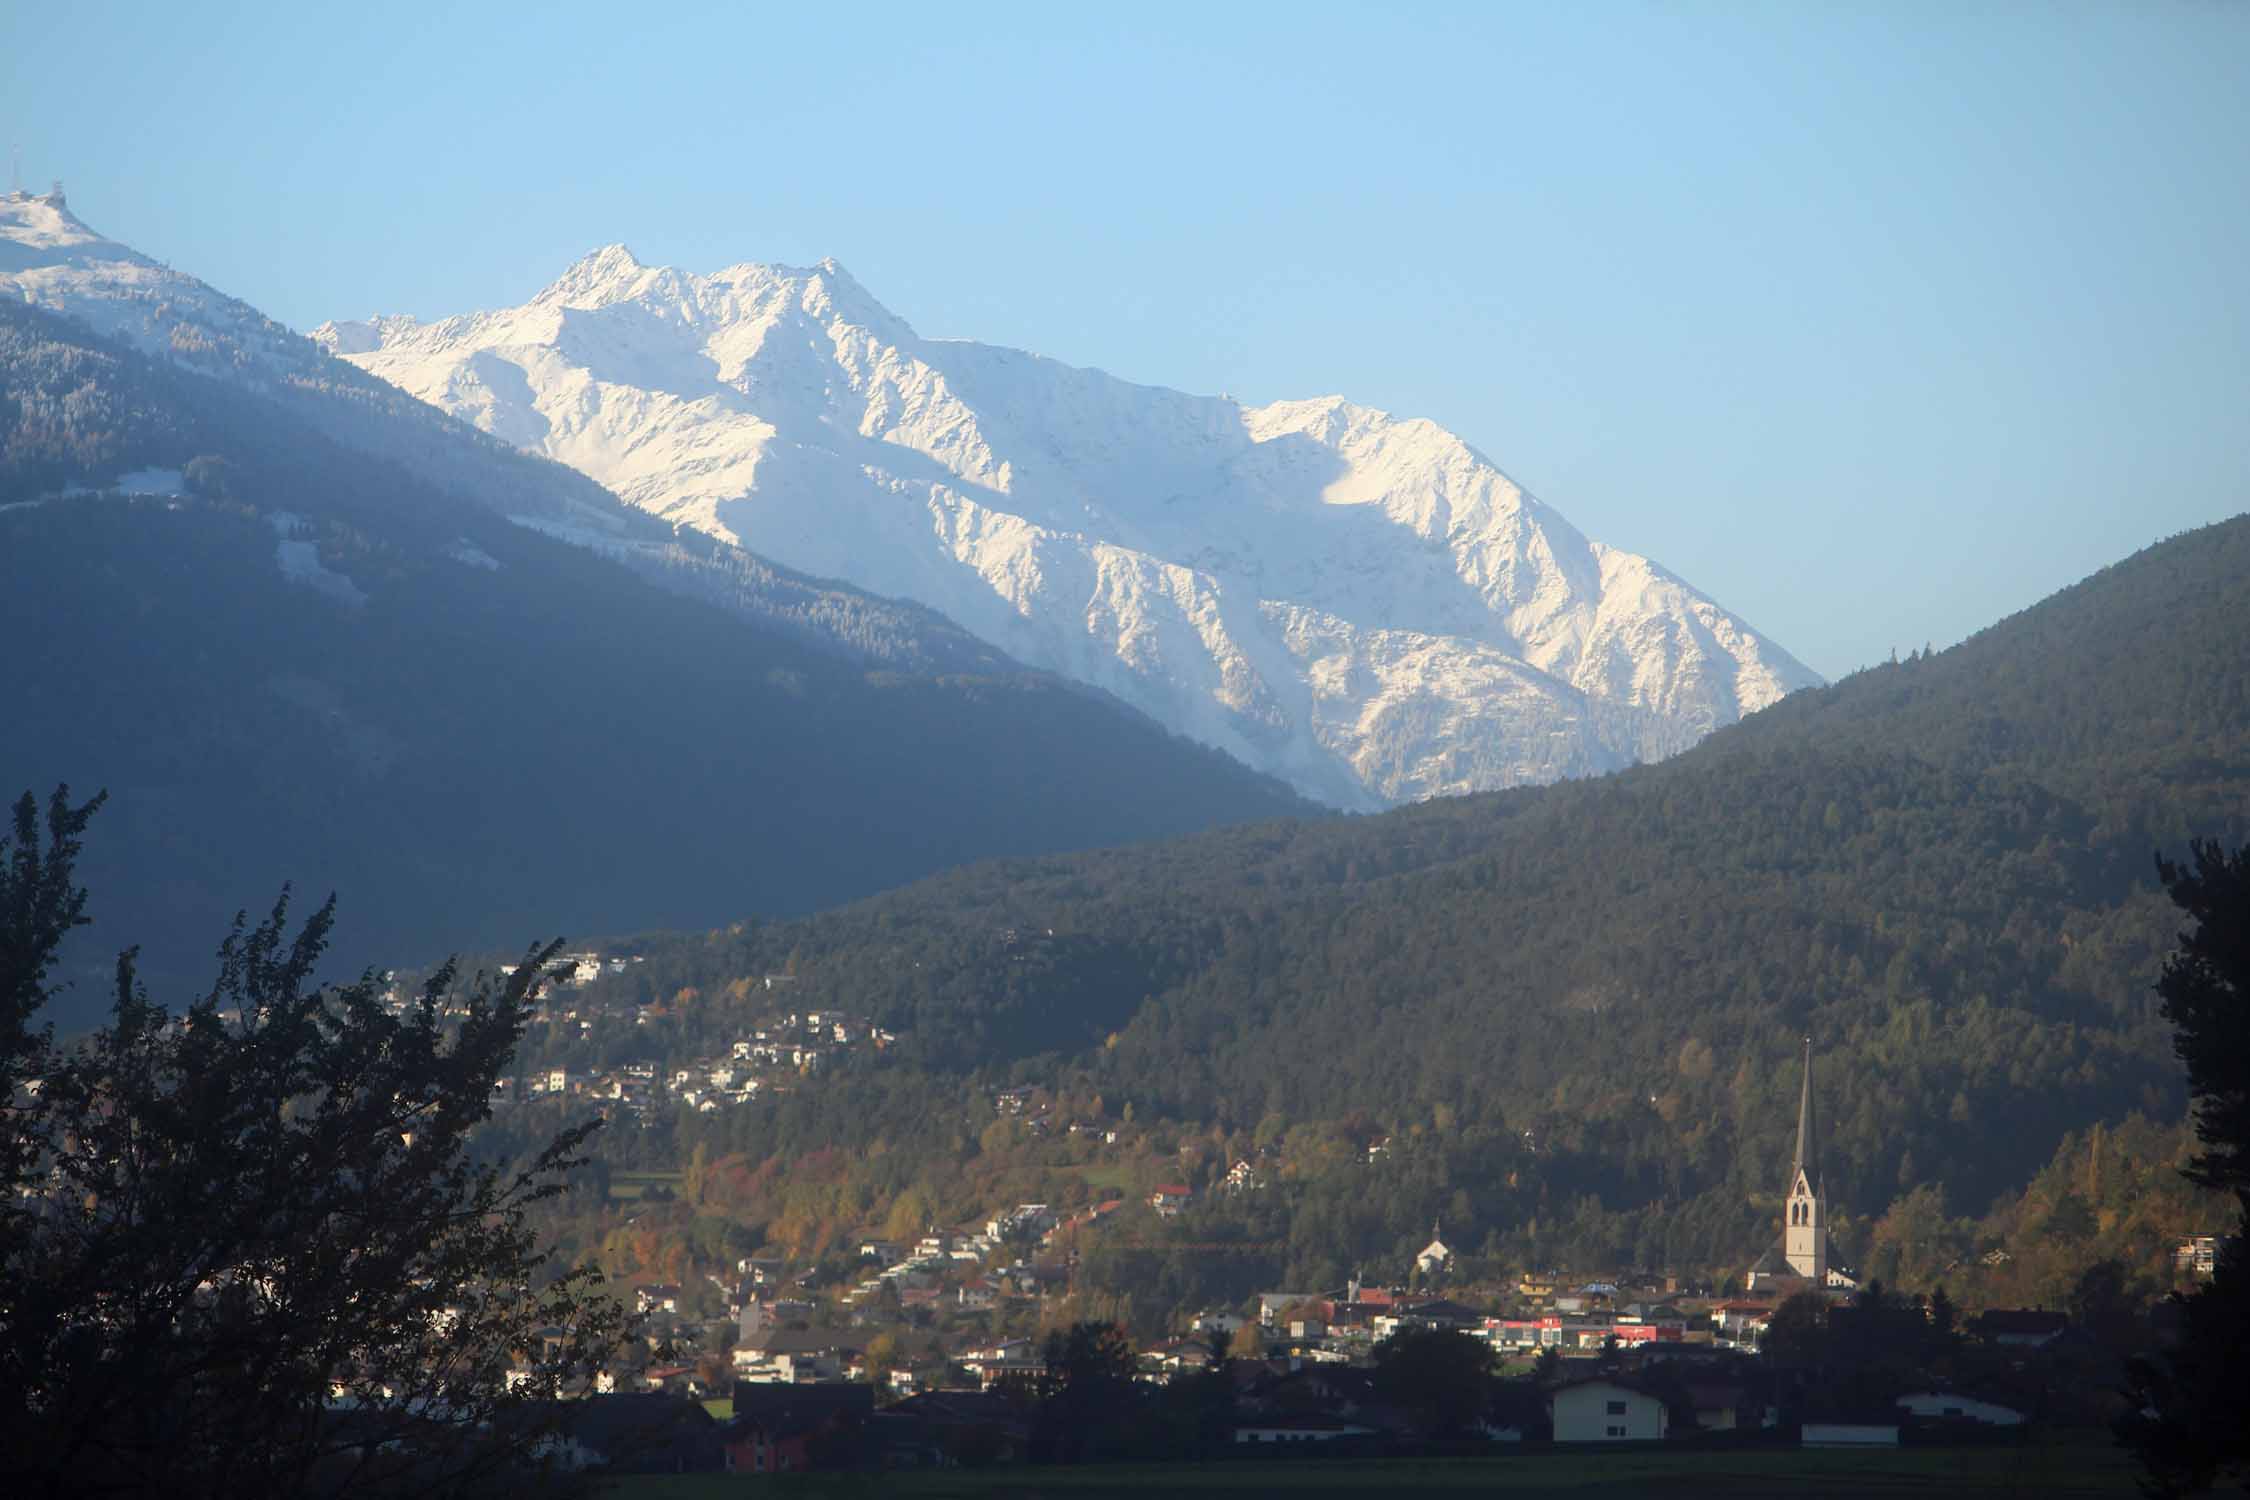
1113,1177
628,1187
2089,1468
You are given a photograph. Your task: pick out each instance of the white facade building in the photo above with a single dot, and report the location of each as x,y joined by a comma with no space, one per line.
1942,1406
1605,1411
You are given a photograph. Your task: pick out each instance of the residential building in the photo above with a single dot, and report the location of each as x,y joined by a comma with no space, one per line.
1171,1198
2197,1256
1952,1407
1607,1411
2019,1327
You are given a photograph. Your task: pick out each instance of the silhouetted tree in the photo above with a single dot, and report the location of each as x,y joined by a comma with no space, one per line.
2190,1422
1943,1316
2206,992
1087,1396
247,1249
1546,1367
1442,1378
2101,1305
1796,1335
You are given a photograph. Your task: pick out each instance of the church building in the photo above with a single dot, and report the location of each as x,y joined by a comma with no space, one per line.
1436,1255
1800,1255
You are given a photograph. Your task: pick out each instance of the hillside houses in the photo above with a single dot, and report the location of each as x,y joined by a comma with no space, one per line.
1025,1219
766,1057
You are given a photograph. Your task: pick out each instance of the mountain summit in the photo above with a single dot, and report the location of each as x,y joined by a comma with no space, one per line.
301,626
1361,604
52,259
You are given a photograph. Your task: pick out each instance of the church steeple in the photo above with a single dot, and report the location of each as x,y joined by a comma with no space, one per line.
1808,1149
1804,1225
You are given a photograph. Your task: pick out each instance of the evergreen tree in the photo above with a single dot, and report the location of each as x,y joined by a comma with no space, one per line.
2190,1422
1443,1378
1087,1398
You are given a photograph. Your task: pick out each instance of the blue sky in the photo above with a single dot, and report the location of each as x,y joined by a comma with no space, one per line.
1877,322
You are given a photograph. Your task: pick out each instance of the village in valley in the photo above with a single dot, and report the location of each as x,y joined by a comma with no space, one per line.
934,1344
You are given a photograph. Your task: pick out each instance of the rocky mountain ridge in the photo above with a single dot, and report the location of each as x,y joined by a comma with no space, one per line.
51,259
1361,604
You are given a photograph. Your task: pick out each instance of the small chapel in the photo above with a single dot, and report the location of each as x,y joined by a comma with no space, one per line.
1436,1255
1800,1256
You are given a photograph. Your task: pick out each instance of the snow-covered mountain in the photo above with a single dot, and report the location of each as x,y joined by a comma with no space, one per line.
1359,603
301,626
53,260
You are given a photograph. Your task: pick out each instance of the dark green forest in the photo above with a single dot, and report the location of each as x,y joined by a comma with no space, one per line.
1573,1010
472,752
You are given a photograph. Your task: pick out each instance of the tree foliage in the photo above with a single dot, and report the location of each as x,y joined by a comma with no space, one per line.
249,1249
2206,990
1573,1010
1443,1378
1087,1402
2191,1417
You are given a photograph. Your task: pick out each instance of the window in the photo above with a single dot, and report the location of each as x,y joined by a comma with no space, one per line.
1617,1408
1614,1431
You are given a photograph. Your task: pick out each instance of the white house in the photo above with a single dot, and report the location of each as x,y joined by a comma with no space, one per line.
1271,1304
1607,1411
1947,1406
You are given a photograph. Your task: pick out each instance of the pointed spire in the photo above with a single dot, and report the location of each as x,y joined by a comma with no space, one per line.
1808,1149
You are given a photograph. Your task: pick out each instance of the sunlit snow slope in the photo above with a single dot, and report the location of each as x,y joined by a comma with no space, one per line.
1360,604
53,260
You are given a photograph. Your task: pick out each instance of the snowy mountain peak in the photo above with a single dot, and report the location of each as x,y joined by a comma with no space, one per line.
609,274
1362,604
52,258
40,229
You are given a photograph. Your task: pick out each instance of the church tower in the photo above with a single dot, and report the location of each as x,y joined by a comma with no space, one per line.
1804,1224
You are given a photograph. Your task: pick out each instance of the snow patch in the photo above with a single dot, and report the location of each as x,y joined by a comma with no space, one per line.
300,564
152,482
466,551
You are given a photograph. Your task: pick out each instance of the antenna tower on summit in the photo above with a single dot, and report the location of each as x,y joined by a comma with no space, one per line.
15,171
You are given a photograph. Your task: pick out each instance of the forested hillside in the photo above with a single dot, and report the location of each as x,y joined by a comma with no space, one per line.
1574,1010
290,661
